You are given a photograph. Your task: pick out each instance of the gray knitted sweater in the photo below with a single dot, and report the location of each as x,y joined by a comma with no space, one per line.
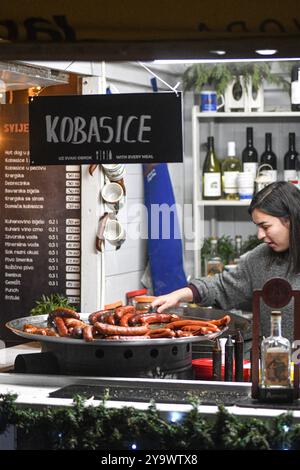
234,290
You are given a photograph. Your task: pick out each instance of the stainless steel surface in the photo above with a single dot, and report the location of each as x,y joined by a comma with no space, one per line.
16,326
19,76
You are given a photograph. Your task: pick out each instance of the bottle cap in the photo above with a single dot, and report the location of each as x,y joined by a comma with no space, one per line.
276,313
231,149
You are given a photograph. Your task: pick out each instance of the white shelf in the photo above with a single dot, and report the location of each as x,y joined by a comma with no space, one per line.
224,202
211,123
254,115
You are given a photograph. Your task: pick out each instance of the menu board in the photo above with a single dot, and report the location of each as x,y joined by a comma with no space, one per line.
39,224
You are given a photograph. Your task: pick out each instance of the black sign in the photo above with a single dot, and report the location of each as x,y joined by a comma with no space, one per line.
123,128
39,224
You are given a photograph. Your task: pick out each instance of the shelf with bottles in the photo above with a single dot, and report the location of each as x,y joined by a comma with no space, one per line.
226,127
223,253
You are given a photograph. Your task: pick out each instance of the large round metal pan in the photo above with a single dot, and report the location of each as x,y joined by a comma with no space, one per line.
16,326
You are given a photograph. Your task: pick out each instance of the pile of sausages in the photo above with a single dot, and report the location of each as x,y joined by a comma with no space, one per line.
124,323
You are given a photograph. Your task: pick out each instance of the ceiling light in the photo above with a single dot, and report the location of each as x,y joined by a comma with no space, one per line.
266,51
218,52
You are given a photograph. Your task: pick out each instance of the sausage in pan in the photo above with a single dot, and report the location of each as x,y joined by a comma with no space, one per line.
121,330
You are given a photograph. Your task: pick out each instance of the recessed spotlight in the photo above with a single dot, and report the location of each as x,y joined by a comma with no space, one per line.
266,51
218,52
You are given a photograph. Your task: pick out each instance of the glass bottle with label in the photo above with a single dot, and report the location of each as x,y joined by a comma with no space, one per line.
237,249
295,88
291,160
213,263
275,357
249,154
211,174
231,167
268,156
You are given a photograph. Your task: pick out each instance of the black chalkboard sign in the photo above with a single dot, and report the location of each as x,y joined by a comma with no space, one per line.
123,128
39,224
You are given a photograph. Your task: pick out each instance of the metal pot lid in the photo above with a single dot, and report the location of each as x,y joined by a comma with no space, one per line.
16,326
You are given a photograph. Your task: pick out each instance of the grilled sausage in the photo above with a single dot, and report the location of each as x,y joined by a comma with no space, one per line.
76,332
121,330
224,321
121,311
63,312
61,327
183,334
124,321
148,318
88,333
35,330
100,315
180,323
162,333
72,322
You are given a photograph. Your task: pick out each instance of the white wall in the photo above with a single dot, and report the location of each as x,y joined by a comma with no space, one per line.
125,267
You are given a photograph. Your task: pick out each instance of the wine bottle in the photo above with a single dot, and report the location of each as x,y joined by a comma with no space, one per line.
291,160
295,88
268,156
231,167
211,175
249,154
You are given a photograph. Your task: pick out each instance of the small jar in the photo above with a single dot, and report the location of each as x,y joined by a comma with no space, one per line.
143,303
130,296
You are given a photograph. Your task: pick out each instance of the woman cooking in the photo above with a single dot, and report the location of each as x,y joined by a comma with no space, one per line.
275,210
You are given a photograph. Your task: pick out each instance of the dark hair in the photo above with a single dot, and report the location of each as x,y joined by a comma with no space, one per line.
282,200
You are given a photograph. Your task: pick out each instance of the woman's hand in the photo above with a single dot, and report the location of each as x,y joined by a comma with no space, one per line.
174,298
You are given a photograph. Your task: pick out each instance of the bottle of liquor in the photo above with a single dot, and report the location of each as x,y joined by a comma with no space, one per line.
231,167
239,357
291,160
275,357
249,154
268,156
214,264
295,88
211,179
237,249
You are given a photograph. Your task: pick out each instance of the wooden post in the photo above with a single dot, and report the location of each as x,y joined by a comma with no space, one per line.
276,293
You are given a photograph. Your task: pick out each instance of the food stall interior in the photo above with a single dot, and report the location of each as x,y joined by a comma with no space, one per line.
141,370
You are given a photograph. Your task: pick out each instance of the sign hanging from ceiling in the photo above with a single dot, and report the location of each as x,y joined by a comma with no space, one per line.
135,30
123,128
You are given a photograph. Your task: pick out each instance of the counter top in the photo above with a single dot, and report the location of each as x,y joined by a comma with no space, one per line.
35,389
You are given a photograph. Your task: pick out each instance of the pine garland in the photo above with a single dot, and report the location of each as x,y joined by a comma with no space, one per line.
219,75
83,427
